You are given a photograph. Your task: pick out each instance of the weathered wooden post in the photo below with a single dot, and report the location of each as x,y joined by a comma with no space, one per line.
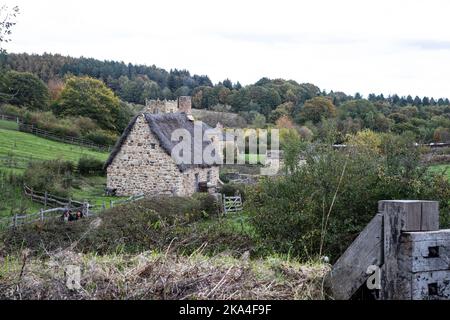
404,243
42,214
398,217
15,220
84,209
111,204
45,199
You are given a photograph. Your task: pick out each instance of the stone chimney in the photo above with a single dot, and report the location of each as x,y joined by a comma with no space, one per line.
185,104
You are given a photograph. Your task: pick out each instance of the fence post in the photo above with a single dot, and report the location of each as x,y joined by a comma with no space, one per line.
103,205
70,203
45,199
15,220
42,214
402,216
87,209
111,204
84,210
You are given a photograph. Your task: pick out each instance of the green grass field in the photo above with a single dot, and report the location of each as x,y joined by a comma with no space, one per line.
17,149
20,147
445,168
253,158
92,189
10,125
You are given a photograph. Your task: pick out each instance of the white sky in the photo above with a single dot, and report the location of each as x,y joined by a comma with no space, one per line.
349,45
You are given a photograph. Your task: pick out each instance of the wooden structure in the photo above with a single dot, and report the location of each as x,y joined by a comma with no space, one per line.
64,204
404,242
232,204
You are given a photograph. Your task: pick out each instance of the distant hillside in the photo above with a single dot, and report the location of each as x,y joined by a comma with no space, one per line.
286,103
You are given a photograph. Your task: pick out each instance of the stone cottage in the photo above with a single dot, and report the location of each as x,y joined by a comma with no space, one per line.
142,161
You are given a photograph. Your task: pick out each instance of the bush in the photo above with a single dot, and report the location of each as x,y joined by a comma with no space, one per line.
53,176
102,137
90,166
11,110
77,126
322,206
207,203
151,223
231,189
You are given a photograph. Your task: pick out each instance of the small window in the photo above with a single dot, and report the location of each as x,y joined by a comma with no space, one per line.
153,145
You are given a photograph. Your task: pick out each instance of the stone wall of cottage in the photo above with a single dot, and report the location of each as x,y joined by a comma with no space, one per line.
189,178
142,166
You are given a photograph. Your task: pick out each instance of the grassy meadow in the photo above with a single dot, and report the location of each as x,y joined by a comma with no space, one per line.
17,149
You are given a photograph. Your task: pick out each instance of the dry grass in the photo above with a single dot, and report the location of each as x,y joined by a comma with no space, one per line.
152,275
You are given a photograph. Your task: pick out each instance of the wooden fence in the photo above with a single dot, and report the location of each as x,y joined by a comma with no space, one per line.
50,200
42,215
29,128
10,118
62,204
65,139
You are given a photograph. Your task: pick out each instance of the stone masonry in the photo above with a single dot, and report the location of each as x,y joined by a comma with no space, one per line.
142,166
183,104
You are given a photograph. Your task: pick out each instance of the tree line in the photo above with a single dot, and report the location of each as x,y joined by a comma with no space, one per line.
285,103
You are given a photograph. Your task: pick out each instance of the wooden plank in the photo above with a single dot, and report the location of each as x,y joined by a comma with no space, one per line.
349,272
399,217
443,234
430,216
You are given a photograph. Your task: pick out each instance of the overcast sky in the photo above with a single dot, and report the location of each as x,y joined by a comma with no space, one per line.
381,46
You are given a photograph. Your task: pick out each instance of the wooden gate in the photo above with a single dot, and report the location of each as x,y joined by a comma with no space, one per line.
232,204
405,248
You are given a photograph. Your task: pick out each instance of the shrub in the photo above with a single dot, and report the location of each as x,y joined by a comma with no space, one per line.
323,205
53,176
151,223
11,110
207,203
102,137
90,166
231,189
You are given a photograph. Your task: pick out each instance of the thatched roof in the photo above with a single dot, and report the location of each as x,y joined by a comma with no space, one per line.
162,125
